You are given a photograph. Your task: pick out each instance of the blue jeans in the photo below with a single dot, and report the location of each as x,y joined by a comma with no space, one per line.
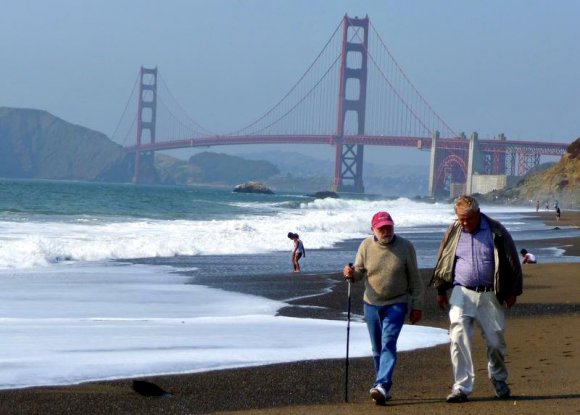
385,324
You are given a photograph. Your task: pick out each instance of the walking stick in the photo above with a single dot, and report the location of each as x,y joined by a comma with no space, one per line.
347,341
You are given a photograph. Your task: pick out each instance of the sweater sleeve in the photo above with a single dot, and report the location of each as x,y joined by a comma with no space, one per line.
359,262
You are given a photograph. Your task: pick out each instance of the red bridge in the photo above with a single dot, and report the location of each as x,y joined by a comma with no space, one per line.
353,95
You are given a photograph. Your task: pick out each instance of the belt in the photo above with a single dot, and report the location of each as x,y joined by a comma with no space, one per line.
481,288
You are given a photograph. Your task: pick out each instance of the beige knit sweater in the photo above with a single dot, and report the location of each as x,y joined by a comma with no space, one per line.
390,273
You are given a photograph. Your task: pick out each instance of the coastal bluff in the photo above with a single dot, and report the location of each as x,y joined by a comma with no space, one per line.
560,181
37,145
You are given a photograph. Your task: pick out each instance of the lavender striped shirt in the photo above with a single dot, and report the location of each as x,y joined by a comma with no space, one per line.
474,259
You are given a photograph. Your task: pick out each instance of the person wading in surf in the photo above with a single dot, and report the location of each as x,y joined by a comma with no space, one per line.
298,251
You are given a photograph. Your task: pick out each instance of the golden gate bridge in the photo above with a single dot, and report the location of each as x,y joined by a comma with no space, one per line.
353,95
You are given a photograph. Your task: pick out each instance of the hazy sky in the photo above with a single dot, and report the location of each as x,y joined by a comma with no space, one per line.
487,66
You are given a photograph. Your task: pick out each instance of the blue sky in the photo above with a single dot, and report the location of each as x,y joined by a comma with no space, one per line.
487,66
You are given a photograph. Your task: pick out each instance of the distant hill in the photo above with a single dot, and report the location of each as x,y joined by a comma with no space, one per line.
295,163
309,174
36,144
560,181
212,168
223,168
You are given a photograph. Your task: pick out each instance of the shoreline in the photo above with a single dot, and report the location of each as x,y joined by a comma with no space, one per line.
543,360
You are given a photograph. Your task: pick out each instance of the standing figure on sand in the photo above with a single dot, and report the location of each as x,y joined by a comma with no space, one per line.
481,287
388,265
298,251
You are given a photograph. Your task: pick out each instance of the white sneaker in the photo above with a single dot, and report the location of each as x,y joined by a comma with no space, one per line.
379,395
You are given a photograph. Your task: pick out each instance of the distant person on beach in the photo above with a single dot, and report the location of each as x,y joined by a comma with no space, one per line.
298,251
528,257
480,287
537,205
388,265
558,213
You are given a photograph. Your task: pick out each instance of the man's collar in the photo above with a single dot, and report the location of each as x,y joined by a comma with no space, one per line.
483,223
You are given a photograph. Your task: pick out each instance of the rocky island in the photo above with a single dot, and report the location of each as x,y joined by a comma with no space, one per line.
252,187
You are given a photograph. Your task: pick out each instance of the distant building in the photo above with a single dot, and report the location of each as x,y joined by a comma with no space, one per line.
456,189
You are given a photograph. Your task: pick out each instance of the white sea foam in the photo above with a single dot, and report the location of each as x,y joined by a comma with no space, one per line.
68,314
72,323
324,221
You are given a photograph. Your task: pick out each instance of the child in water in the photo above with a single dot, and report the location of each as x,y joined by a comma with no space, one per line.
298,251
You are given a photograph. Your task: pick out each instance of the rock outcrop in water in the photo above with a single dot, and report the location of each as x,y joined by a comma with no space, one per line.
252,187
324,194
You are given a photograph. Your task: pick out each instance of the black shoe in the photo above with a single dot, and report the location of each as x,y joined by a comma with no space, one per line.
502,390
456,397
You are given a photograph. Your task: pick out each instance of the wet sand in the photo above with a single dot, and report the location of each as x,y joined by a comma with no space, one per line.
543,359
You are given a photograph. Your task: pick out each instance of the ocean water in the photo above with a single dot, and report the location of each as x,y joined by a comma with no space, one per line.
43,223
99,279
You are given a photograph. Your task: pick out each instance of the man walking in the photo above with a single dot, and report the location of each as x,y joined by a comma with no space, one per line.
479,261
388,265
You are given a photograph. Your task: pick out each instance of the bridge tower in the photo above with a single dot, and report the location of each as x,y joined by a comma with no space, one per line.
348,166
472,162
448,169
432,165
494,160
146,117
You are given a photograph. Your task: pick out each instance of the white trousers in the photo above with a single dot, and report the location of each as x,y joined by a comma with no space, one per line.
468,307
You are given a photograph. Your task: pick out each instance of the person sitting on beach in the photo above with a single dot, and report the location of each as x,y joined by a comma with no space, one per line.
388,265
529,258
298,251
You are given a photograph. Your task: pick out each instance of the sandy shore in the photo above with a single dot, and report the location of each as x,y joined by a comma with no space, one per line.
542,335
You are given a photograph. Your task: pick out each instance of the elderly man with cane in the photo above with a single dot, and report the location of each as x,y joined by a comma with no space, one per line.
388,265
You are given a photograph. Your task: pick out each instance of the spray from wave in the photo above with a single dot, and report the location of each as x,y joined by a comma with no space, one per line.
322,222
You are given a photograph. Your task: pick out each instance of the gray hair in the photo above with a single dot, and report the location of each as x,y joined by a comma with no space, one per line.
466,204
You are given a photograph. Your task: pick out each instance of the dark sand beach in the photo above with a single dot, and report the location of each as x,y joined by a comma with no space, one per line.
543,358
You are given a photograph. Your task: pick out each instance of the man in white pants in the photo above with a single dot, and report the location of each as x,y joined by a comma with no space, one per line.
479,261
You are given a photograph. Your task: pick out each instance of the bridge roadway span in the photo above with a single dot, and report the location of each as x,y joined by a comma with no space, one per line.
422,143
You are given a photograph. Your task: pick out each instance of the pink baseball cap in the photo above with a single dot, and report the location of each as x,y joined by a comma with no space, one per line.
381,219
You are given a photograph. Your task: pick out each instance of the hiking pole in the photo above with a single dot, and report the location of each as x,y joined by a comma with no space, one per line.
347,341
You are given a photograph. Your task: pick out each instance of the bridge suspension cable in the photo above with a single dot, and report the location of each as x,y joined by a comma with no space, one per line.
123,138
397,119
276,113
191,128
395,108
172,121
